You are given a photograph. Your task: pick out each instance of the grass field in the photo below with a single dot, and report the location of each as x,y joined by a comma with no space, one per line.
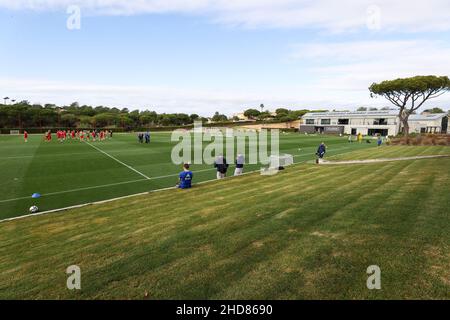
308,232
73,172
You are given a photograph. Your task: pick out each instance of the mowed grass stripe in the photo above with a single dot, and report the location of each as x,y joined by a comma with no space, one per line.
392,152
385,227
117,160
298,230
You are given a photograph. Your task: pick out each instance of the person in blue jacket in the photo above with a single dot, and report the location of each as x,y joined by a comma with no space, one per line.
185,177
379,140
321,150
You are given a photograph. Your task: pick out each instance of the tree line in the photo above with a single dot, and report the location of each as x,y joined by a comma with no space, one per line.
280,114
26,115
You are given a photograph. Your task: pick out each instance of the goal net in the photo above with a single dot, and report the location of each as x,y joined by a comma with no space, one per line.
14,132
277,162
281,160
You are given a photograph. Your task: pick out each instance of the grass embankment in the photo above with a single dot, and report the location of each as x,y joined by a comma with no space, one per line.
307,232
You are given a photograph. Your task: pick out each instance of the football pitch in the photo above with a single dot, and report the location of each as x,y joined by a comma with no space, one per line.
74,172
309,232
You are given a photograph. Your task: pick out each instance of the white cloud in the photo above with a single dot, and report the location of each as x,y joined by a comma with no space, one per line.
161,99
353,66
340,92
331,15
340,72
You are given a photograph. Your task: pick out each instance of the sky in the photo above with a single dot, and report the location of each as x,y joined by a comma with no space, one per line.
202,56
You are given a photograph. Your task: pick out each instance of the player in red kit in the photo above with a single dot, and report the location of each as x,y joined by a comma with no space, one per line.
25,136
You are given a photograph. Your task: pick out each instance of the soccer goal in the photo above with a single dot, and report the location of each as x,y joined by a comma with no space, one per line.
281,160
14,132
277,162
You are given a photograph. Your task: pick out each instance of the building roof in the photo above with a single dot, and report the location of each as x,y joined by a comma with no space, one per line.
427,117
352,114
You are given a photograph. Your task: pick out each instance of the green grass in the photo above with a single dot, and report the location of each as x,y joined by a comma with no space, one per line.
72,172
308,232
391,152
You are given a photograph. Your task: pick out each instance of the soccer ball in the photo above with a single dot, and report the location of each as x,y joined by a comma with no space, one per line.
34,209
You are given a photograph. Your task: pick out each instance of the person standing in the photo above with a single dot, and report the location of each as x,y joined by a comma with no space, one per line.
25,136
321,151
222,166
380,140
240,160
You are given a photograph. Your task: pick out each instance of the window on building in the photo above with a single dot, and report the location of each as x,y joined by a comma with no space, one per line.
380,122
343,121
325,121
381,132
309,121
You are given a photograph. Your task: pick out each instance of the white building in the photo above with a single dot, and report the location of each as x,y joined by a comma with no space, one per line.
383,122
428,123
352,122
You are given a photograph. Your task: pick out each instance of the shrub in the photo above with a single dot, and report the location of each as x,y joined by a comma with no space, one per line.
423,140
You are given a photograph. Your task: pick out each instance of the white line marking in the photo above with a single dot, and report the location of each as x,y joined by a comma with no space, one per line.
114,199
48,155
135,151
328,150
101,186
127,196
78,189
131,181
117,160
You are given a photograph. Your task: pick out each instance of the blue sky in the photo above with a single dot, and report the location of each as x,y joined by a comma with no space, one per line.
202,56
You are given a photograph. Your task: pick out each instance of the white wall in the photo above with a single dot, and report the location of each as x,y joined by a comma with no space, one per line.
415,126
362,125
